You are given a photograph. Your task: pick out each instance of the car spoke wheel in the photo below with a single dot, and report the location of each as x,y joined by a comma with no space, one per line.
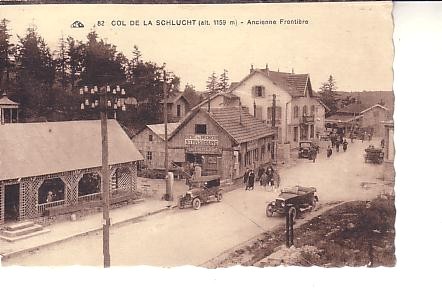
219,197
314,204
196,203
269,210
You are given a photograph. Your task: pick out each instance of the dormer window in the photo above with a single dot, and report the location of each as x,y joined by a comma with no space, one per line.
258,91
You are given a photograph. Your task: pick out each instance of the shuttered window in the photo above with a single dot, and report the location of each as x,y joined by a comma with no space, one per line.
295,112
258,91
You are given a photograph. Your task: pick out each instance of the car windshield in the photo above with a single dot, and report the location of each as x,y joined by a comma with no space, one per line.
305,144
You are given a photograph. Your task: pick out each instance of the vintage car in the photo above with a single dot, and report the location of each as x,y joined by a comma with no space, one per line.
374,155
297,198
201,190
305,148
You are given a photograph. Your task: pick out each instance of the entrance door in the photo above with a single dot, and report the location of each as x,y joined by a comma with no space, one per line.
12,203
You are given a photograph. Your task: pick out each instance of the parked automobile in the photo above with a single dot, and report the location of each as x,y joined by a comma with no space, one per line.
202,190
298,197
374,155
305,148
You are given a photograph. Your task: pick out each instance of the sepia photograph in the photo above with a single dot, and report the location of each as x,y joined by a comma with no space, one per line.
214,136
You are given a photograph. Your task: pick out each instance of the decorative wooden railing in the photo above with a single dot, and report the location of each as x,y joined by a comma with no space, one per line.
42,207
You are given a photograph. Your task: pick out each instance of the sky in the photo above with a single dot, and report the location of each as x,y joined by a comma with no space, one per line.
351,41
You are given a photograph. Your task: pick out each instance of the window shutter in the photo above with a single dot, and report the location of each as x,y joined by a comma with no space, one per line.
253,91
263,91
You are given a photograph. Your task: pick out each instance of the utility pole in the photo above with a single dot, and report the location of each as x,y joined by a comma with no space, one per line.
166,148
106,175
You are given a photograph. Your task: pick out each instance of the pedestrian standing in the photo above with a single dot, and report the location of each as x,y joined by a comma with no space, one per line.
246,178
344,145
276,178
251,180
313,155
382,143
370,135
264,180
329,152
364,135
337,146
333,139
260,173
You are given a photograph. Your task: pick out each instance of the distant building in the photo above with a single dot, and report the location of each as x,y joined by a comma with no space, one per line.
150,143
359,115
56,164
220,100
178,106
8,110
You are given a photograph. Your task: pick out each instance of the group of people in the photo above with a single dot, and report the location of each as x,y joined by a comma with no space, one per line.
266,177
337,142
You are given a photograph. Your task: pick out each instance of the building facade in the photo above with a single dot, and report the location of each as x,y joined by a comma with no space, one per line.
177,107
57,164
150,143
224,141
299,114
359,115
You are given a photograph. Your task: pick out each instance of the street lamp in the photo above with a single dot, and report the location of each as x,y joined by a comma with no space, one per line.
167,79
98,98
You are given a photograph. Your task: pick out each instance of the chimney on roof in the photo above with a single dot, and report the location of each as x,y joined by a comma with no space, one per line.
267,69
251,68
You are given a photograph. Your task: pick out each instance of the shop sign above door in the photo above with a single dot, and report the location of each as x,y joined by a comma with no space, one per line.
202,144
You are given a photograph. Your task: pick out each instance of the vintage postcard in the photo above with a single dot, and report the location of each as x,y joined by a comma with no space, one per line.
205,135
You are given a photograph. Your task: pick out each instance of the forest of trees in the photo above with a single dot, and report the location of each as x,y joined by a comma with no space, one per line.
46,82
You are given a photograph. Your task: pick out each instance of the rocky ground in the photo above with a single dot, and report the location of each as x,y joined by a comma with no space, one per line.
355,233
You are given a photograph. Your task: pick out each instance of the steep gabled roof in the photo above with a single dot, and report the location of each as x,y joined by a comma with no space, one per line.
228,119
358,108
174,98
159,129
249,128
210,98
296,85
33,149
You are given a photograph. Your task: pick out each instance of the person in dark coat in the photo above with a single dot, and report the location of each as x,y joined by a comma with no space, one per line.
329,152
264,180
337,145
246,178
260,173
382,143
344,145
251,180
313,155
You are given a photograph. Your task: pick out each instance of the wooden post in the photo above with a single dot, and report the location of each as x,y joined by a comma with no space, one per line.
166,148
105,181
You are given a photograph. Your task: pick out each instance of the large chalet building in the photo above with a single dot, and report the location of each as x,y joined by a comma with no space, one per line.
299,115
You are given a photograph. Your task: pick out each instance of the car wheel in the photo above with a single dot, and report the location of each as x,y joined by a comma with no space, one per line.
314,204
196,203
269,210
219,197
